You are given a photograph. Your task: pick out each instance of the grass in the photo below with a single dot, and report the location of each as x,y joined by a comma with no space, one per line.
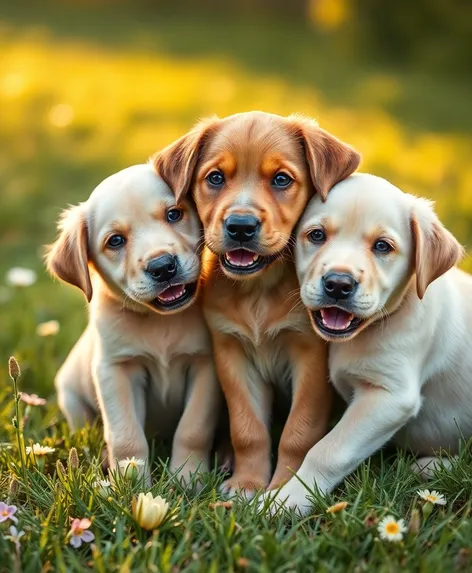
86,92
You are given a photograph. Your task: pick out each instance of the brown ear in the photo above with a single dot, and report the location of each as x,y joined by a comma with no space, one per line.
67,258
176,163
330,160
436,250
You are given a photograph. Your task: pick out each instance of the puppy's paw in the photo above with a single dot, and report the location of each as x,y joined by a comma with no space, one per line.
189,471
241,485
427,466
292,496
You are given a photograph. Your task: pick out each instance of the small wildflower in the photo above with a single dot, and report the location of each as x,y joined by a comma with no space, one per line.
32,399
433,497
415,522
73,458
50,328
149,511
14,368
130,466
225,504
102,487
15,536
20,277
337,507
39,450
79,532
391,529
7,512
243,562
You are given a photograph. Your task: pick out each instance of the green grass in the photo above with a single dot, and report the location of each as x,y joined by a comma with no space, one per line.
85,92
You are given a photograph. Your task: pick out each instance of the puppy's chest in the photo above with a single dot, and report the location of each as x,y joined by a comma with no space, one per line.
258,321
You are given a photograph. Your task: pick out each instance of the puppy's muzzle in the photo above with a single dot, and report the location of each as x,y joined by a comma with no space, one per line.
163,268
242,228
339,286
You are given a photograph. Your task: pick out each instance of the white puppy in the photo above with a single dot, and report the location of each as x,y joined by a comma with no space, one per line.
146,355
375,269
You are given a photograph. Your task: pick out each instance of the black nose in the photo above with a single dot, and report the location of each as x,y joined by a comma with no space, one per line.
242,228
162,268
339,285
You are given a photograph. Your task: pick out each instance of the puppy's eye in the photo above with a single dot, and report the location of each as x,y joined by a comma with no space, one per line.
174,215
116,241
317,236
382,247
215,178
281,180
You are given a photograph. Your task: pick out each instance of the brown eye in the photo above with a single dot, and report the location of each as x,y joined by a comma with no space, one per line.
281,180
116,241
216,179
317,236
174,215
383,247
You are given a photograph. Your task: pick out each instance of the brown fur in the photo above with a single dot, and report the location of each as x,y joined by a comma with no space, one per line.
261,335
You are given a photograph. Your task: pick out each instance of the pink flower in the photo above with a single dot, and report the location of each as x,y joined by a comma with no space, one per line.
79,532
7,512
32,399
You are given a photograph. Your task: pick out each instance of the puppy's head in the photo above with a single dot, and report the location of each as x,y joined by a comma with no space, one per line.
136,237
251,175
357,253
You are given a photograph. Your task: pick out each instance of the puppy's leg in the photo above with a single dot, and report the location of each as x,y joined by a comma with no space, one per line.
249,403
121,392
427,466
372,418
195,433
311,405
75,408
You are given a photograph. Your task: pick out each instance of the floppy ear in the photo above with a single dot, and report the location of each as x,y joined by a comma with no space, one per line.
436,250
330,160
176,163
67,258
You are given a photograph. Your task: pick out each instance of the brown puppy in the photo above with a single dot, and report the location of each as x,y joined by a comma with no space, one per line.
251,175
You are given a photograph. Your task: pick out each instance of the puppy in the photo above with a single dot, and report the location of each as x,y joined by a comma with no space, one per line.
145,357
375,268
251,175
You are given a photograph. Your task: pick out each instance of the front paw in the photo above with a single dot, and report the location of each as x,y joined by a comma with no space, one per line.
292,496
245,486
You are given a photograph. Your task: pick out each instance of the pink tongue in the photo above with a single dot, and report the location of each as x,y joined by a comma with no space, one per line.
240,257
172,293
335,318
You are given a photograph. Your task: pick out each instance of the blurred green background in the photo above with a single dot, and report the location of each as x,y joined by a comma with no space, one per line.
89,87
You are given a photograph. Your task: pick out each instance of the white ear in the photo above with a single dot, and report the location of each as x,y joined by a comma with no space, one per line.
436,249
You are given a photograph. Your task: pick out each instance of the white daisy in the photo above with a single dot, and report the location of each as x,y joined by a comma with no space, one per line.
20,277
433,497
49,328
131,463
391,529
39,450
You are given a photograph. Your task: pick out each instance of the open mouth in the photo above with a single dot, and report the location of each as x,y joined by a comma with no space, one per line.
336,322
244,262
175,296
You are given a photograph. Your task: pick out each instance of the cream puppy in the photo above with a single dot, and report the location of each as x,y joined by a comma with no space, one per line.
145,358
375,269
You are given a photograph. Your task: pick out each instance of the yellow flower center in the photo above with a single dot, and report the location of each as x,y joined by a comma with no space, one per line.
432,498
4,513
392,528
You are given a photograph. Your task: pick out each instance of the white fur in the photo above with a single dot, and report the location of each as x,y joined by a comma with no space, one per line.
408,375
